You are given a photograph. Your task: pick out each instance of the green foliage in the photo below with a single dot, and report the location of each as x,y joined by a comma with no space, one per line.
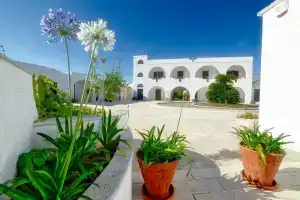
178,95
248,115
261,141
50,100
86,111
62,172
110,134
113,83
154,149
222,90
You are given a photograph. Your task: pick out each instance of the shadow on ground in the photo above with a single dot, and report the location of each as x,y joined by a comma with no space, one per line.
205,179
225,154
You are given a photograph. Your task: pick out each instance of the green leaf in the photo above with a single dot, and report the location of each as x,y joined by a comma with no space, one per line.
58,124
14,193
49,139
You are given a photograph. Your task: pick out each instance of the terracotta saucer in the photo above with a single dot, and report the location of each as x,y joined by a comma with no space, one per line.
146,195
274,185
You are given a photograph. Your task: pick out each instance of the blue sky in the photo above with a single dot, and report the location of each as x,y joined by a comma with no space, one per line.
159,28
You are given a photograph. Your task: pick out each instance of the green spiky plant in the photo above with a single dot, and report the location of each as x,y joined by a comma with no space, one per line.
155,149
261,141
110,134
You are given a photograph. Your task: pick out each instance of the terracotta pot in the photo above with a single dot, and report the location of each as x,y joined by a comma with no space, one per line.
254,171
158,178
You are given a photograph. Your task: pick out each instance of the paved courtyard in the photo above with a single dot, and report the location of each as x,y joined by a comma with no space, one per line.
214,151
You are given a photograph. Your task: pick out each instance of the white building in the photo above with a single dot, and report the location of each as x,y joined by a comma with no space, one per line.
159,79
280,69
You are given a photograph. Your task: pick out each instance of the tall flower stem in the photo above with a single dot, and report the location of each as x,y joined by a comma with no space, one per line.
83,95
70,84
180,113
103,79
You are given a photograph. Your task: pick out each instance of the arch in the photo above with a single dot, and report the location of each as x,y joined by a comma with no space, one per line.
140,85
207,72
156,73
140,74
78,88
156,93
175,74
200,95
237,70
242,94
175,93
140,62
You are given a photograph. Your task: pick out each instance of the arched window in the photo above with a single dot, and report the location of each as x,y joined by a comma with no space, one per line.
140,74
140,62
140,85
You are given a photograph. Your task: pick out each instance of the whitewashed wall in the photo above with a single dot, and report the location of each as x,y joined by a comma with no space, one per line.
280,69
17,114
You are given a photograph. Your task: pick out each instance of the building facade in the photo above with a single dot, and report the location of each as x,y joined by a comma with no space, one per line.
280,53
161,79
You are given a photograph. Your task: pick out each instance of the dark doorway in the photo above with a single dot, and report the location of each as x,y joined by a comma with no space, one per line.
158,94
256,95
139,94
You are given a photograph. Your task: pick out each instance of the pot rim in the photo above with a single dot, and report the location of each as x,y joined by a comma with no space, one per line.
272,154
158,164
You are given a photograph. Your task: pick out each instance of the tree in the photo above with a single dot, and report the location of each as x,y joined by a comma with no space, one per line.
110,83
222,90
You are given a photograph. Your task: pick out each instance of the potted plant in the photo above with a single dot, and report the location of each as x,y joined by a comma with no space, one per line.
158,159
262,155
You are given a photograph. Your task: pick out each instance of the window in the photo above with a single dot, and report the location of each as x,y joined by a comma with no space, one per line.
140,62
205,74
140,85
158,75
140,74
180,74
234,73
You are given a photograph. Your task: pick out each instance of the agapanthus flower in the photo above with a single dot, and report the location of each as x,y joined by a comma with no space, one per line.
59,24
96,31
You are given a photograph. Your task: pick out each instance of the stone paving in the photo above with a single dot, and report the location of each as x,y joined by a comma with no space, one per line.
216,167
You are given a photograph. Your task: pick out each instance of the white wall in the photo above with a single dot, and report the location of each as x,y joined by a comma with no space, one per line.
192,84
17,114
279,100
60,77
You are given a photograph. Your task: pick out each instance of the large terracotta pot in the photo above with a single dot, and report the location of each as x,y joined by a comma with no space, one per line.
158,177
254,171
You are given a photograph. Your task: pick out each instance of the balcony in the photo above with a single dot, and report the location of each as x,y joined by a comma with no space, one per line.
207,73
180,73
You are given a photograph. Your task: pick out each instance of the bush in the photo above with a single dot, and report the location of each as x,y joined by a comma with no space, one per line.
52,101
222,90
248,115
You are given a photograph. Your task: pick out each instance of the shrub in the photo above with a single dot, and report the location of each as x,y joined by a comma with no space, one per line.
261,141
222,90
248,115
50,100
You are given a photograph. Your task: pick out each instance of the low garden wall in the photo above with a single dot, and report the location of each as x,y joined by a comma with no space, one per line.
49,127
115,182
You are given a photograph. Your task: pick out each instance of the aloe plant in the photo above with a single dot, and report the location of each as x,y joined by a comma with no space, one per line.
110,133
261,141
155,149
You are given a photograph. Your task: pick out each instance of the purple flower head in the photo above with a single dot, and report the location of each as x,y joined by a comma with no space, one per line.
59,24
